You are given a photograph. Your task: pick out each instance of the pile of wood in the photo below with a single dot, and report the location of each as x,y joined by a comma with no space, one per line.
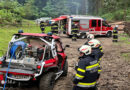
127,28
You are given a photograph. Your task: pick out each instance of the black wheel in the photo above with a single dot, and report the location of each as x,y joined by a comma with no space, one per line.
64,32
83,36
109,34
47,81
70,36
65,69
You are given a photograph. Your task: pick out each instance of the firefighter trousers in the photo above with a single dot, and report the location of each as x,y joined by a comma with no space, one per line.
55,32
42,29
115,37
74,34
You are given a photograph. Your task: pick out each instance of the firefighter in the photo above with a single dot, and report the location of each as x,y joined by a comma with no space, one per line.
63,28
75,30
115,34
54,28
97,52
42,26
89,37
87,71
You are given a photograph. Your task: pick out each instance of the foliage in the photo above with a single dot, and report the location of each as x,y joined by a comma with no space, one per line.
10,11
117,15
54,8
30,10
116,9
13,11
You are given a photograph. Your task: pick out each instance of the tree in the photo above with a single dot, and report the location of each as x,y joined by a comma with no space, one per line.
10,11
55,8
30,10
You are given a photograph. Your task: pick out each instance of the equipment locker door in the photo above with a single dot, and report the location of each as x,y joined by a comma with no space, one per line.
84,25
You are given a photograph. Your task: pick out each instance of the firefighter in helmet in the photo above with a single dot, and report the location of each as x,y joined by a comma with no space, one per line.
97,51
54,28
42,26
87,71
75,30
89,37
115,34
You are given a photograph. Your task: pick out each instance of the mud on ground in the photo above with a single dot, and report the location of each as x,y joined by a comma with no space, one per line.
115,68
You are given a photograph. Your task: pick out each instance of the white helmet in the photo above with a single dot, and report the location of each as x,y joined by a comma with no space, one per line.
94,43
85,49
90,36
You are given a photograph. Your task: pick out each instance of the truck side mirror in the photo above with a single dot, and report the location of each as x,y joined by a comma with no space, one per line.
66,46
109,25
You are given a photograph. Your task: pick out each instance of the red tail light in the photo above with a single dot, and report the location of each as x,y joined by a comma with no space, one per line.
0,62
38,67
2,82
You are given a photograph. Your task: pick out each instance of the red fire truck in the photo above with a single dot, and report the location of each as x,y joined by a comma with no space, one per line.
88,24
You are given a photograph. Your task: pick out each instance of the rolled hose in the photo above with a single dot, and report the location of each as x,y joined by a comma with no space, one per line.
16,47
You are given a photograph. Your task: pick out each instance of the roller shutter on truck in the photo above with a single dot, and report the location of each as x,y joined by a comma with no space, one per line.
84,25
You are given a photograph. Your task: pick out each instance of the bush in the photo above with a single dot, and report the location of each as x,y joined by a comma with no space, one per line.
7,17
117,15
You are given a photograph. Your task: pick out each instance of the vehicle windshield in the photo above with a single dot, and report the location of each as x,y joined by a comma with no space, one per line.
104,23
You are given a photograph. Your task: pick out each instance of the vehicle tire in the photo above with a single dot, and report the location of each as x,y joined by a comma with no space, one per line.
83,36
109,34
64,32
70,36
47,81
65,69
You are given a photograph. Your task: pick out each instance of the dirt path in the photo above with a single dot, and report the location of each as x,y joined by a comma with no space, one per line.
115,69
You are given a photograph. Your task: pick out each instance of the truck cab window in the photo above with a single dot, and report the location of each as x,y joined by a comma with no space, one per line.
99,23
94,23
104,23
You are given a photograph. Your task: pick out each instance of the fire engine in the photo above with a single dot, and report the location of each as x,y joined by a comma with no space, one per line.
88,24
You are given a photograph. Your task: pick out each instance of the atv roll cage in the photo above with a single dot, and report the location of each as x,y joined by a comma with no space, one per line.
49,40
34,39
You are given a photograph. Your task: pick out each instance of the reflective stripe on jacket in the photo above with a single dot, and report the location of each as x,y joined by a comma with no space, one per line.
87,72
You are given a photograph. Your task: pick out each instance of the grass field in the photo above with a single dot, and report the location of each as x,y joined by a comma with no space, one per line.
6,33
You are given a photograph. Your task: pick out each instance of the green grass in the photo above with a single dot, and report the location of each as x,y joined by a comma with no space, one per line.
126,55
6,33
124,38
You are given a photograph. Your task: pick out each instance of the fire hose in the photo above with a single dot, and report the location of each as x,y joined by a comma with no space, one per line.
8,69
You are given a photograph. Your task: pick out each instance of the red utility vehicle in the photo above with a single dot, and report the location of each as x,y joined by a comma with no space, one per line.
33,59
